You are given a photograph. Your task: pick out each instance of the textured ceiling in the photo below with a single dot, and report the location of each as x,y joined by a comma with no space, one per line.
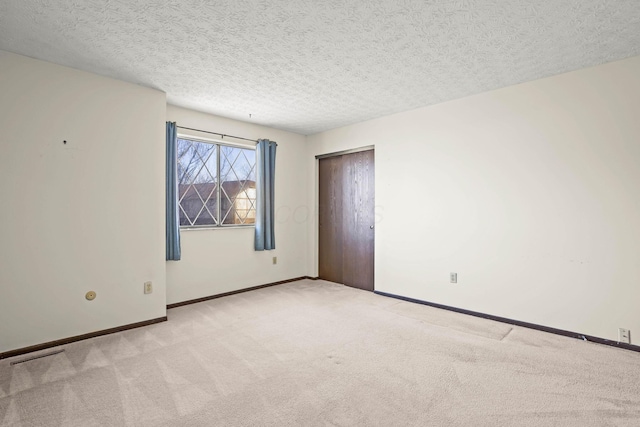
313,65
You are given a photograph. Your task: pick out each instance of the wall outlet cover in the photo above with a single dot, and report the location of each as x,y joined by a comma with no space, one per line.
624,335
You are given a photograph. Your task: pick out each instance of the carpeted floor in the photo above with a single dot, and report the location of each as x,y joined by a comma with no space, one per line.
319,354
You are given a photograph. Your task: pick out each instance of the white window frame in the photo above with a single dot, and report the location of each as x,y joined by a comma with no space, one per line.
218,142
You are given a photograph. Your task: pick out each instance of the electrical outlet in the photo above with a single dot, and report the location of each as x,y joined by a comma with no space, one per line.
275,260
148,287
624,335
453,277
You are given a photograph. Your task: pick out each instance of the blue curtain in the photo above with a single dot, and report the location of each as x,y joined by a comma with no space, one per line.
173,225
265,179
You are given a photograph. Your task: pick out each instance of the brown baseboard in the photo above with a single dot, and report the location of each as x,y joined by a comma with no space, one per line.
69,340
312,278
239,291
555,331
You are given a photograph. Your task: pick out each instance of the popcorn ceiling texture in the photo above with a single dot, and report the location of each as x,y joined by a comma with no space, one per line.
307,65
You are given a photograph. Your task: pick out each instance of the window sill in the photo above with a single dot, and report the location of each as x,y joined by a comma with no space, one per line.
228,227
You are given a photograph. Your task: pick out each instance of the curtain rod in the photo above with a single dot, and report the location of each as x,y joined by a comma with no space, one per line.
216,133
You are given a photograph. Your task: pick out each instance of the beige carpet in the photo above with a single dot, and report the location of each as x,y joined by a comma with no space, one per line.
320,354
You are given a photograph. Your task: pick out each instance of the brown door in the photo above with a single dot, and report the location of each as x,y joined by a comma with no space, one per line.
346,222
330,219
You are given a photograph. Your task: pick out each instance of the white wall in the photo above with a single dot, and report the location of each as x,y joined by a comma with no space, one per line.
530,193
215,261
88,215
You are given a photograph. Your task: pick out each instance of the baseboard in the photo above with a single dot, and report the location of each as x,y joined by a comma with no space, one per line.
576,335
312,278
64,341
239,291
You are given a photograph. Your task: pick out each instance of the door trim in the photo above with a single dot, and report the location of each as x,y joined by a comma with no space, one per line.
340,153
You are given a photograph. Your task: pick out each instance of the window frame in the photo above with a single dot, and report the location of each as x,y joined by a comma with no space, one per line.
218,143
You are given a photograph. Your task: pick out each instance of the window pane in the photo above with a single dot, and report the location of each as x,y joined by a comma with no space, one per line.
250,156
237,170
190,206
197,182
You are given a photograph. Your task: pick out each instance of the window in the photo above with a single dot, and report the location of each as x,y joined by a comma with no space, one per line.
216,184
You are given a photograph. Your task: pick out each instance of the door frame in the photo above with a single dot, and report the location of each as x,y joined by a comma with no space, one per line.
350,151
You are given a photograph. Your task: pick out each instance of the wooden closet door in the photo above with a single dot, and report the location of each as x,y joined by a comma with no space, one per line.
358,219
330,219
346,219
